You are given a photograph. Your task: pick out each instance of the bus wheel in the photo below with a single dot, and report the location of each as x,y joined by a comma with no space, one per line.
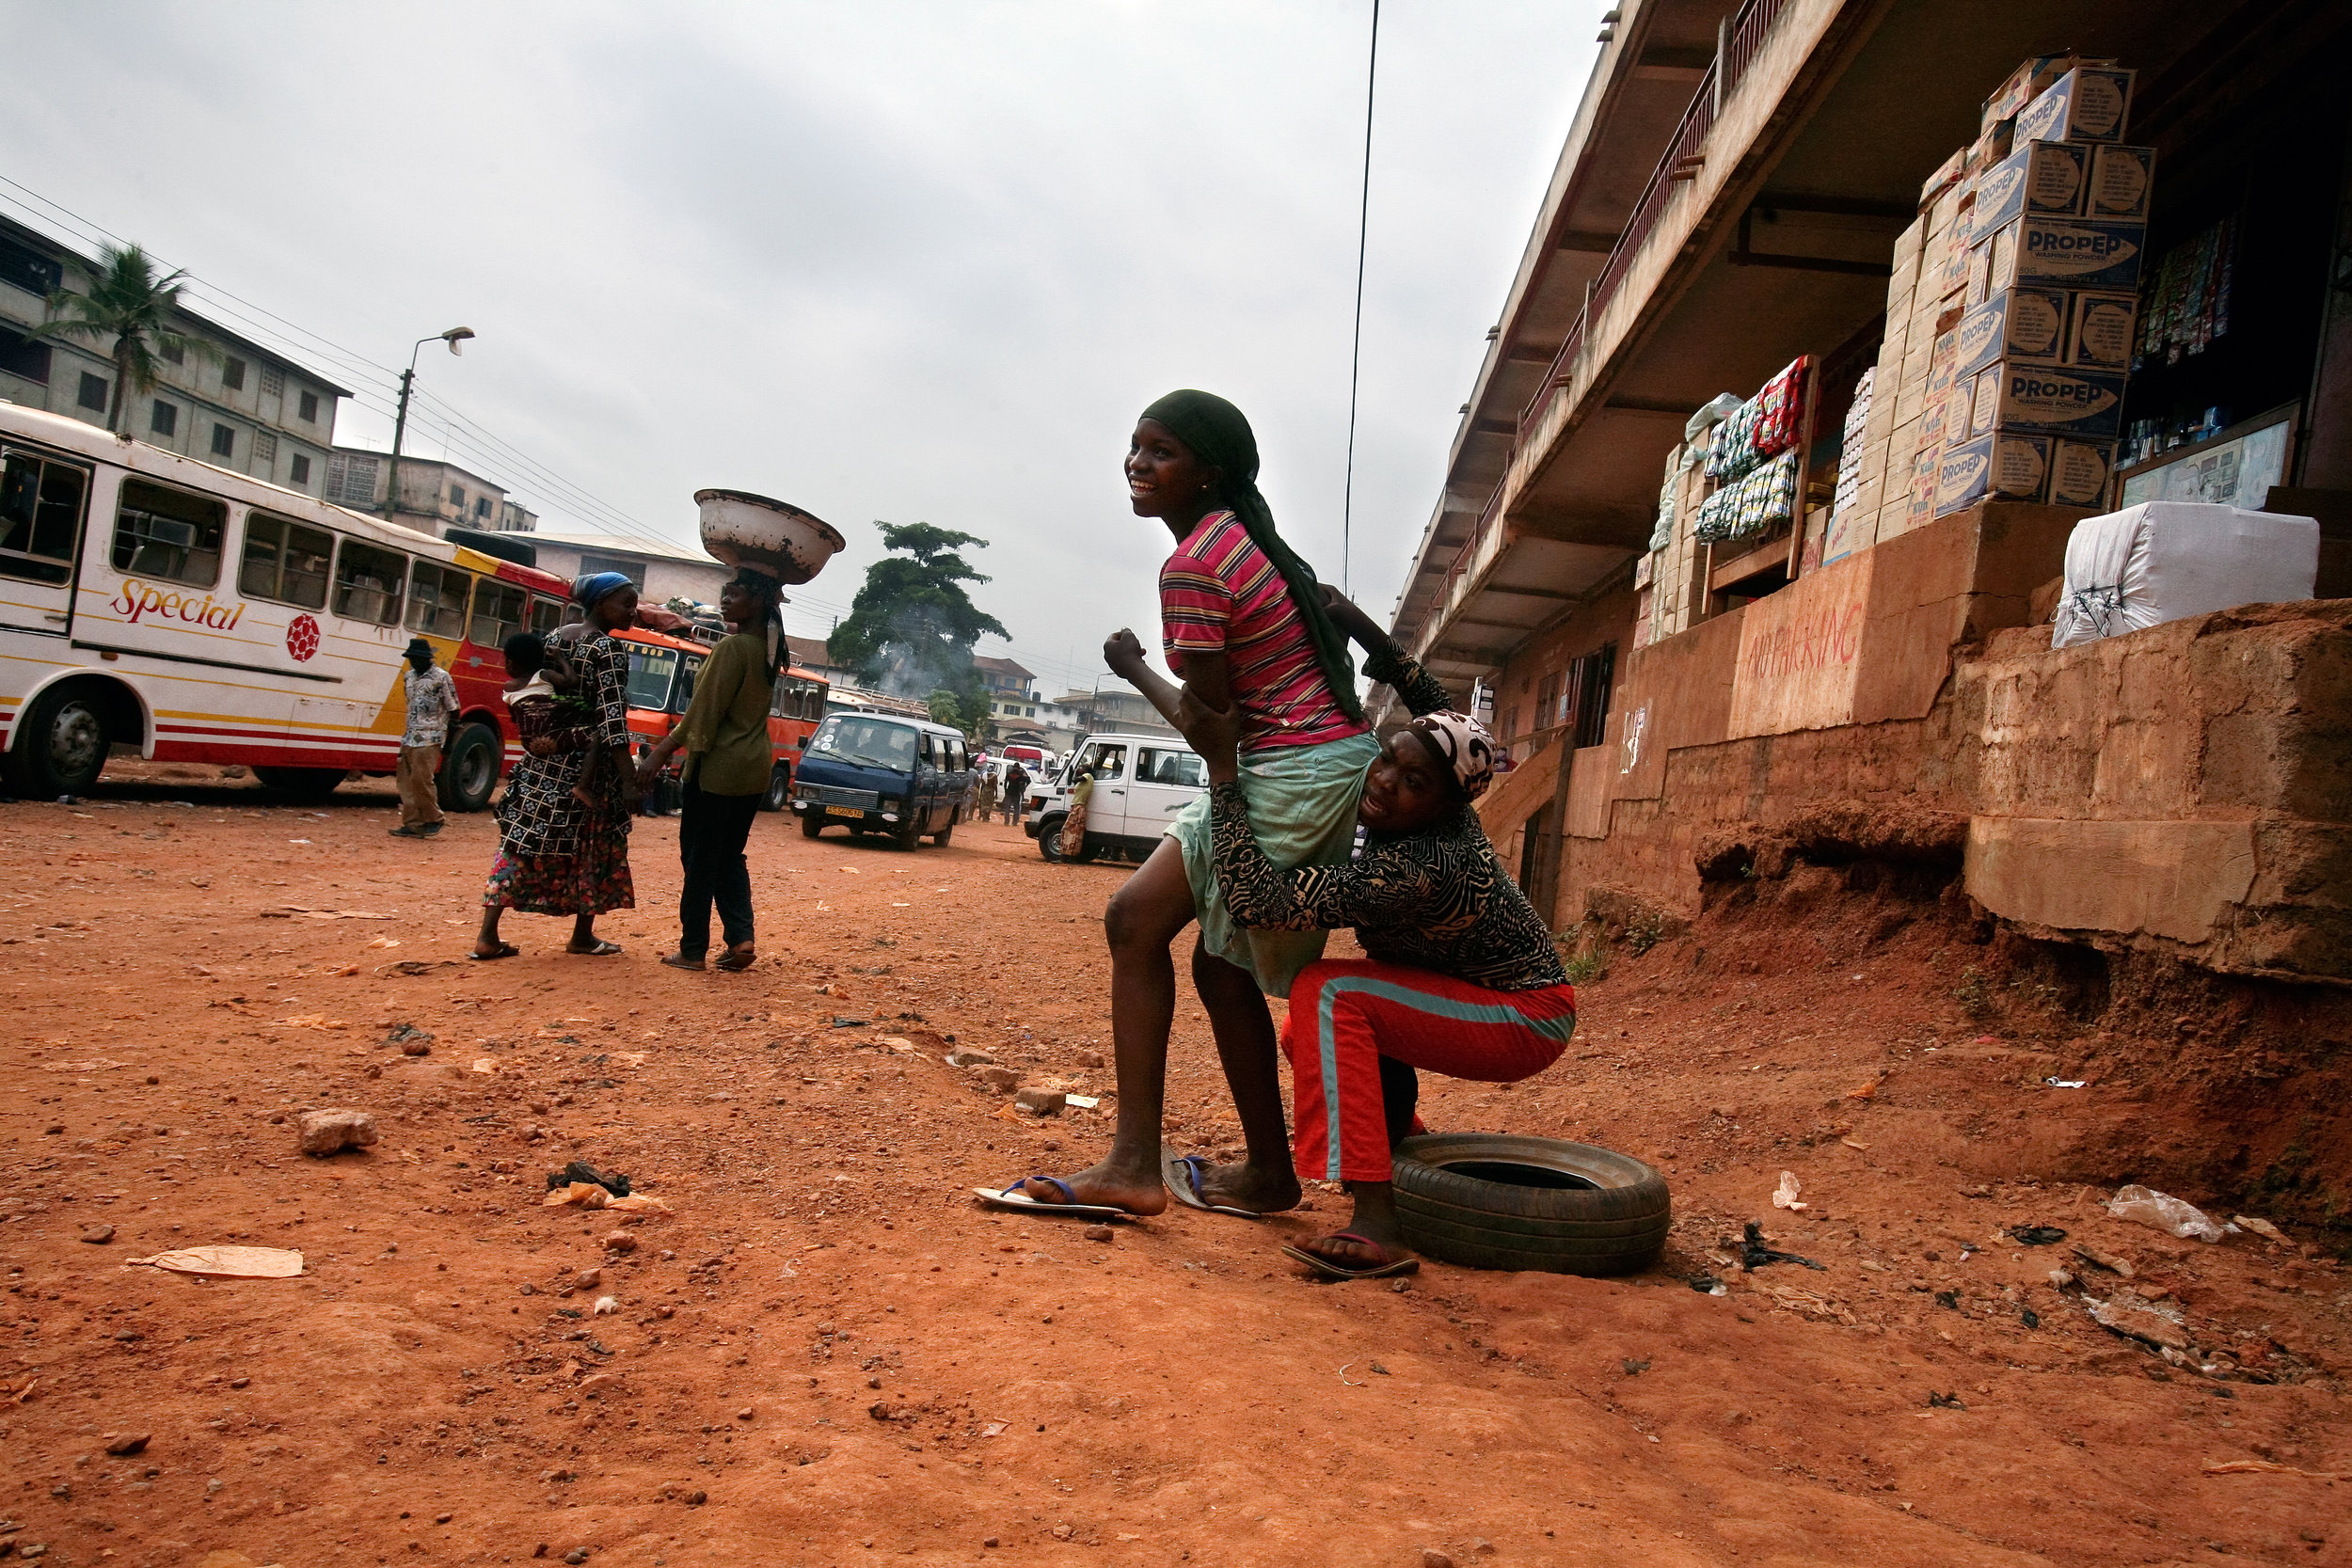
811,824
300,784
779,789
1049,837
60,744
469,768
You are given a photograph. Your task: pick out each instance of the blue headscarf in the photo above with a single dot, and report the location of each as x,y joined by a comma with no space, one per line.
597,586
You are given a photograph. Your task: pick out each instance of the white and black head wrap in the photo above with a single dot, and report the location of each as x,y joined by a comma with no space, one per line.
1462,744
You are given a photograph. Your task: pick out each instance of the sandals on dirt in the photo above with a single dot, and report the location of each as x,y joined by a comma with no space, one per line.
1399,1263
505,950
735,961
679,961
1182,1174
601,950
1014,1197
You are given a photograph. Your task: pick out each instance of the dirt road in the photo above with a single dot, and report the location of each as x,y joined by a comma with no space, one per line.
826,1353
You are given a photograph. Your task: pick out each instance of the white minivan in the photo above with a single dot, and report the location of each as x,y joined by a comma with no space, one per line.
1141,782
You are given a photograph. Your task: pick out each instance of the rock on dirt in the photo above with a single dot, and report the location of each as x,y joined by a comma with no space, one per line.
964,1056
123,1444
1431,1557
325,1133
1000,1078
619,1241
98,1235
2144,1323
1041,1103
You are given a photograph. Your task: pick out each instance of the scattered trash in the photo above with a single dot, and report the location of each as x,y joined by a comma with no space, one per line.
1707,1285
325,1133
1375,1368
414,966
225,1262
1351,1382
2245,1221
2036,1235
287,911
896,1042
1866,1091
1851,1144
2030,1318
1753,1254
2067,1083
607,1304
1787,1196
1083,1102
2166,1212
580,1170
1945,1401
1947,1298
1632,1368
2269,1467
2145,1321
849,1022
2110,1262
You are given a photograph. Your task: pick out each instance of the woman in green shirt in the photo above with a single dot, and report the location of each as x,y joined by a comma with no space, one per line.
728,760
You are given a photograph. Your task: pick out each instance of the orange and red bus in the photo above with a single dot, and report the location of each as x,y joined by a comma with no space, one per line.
662,673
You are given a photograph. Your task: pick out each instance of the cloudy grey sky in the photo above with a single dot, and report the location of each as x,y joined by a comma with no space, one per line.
897,260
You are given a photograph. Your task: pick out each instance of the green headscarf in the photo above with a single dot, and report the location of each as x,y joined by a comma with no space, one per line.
1220,436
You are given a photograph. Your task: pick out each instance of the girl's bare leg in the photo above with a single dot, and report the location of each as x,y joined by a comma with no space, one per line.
1246,1046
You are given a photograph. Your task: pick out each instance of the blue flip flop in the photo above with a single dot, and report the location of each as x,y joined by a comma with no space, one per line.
1181,1173
1014,1197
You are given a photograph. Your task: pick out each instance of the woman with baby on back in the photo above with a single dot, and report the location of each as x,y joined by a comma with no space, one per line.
1244,626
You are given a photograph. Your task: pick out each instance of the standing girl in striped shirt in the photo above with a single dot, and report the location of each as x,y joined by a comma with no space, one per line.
1243,627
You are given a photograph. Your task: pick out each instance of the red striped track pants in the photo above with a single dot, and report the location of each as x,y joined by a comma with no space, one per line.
1345,1015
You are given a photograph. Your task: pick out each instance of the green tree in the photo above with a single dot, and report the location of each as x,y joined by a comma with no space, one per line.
911,625
129,304
946,708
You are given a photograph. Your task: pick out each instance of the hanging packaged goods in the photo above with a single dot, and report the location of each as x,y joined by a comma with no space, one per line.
1763,427
1762,500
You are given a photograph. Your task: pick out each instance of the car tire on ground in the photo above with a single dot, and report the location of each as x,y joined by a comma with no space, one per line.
779,789
469,768
909,833
1490,1200
1049,837
300,784
949,831
811,824
61,743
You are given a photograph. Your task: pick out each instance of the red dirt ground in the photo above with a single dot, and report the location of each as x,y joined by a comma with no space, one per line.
828,1355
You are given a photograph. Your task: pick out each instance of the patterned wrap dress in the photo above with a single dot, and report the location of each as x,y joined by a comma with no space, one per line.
555,855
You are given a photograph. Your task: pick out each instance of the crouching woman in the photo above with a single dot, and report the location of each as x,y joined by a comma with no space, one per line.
1462,979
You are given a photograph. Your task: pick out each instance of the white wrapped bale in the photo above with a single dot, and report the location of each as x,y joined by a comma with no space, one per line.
2161,560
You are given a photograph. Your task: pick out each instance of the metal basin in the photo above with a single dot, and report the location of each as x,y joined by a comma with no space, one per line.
772,537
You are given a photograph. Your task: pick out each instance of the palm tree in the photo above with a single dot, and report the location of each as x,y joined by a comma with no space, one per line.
128,303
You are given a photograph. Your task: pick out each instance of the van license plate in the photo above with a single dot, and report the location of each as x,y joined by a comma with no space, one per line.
843,810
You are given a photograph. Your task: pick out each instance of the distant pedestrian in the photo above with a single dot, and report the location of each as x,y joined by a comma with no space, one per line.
431,698
1016,792
984,795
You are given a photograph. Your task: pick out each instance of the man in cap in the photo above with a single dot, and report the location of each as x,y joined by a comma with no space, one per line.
431,698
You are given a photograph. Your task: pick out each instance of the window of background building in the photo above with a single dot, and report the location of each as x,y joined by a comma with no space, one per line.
273,381
264,447
350,479
29,270
482,506
21,356
285,561
169,534
174,353
300,472
457,497
232,374
310,408
165,420
224,440
93,392
368,582
40,512
437,598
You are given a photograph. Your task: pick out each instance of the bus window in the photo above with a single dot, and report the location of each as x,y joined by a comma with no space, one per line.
368,582
285,562
40,511
690,667
169,534
498,613
437,598
784,702
651,673
546,614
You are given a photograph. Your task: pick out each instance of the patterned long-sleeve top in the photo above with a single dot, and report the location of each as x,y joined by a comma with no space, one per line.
1438,899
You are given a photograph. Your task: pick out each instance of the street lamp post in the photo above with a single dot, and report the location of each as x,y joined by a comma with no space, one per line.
453,337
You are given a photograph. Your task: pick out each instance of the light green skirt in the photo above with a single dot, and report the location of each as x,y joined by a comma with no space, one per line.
1302,808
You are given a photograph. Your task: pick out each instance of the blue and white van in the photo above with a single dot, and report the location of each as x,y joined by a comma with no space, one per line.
882,773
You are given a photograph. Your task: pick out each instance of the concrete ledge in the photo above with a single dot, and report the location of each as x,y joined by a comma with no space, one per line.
2179,880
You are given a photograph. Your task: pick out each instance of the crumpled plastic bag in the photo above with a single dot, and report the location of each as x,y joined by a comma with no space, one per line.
1787,1196
2163,1211
589,1195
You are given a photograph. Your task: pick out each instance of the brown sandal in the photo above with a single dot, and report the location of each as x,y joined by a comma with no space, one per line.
736,960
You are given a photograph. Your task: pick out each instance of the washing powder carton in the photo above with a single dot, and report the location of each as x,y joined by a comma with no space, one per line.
2079,471
2034,396
2015,324
2004,464
2087,103
2027,83
2068,253
2100,329
2118,183
2044,178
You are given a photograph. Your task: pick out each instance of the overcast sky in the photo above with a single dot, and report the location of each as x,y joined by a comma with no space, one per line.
906,261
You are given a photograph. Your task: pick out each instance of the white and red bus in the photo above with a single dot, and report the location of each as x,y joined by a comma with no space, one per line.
152,600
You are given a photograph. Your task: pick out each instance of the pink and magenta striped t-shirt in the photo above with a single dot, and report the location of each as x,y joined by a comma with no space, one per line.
1219,594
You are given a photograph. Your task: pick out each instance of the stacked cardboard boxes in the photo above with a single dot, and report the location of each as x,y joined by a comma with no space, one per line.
2009,311
2057,233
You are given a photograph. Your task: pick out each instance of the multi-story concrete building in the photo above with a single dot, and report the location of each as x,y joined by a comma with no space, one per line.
239,406
435,494
1784,194
1114,706
661,571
